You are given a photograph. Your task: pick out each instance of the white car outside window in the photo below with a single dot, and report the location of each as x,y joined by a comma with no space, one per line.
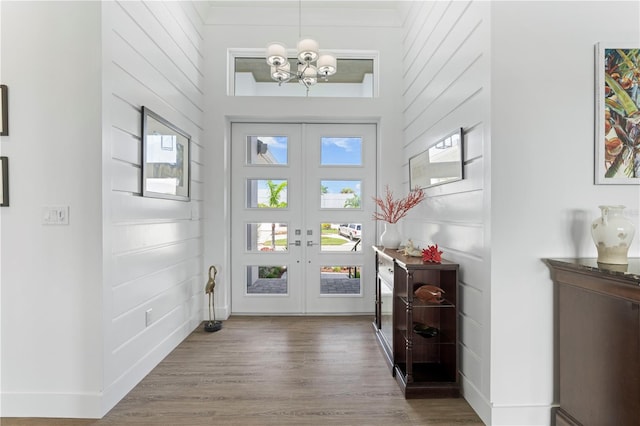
352,230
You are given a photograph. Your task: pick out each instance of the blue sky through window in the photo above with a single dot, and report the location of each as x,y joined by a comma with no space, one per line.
341,152
334,151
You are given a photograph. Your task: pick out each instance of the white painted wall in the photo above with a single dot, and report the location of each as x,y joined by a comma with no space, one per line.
51,275
1,153
528,192
543,198
252,28
75,340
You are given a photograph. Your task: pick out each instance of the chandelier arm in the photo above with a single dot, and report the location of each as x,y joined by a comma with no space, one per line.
286,71
300,72
286,80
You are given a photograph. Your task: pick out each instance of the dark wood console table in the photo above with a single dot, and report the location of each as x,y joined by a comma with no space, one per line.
424,367
598,342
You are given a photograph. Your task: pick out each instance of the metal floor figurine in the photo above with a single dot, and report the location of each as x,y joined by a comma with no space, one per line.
211,325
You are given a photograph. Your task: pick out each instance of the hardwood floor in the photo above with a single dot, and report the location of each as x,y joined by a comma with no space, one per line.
276,371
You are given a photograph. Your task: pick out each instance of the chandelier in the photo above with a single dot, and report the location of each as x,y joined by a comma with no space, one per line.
310,65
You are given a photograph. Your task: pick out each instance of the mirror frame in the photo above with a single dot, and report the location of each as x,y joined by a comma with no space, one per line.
182,138
419,164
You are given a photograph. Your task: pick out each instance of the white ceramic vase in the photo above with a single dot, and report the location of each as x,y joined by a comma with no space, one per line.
390,238
612,234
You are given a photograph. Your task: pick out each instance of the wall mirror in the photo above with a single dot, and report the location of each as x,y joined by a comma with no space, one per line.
165,158
440,164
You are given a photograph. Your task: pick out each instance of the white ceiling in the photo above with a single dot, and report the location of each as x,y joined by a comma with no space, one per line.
315,13
347,4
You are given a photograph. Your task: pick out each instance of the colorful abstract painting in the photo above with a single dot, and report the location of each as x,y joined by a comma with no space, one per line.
618,114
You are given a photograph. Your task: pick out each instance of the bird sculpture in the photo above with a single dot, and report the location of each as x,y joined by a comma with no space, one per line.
211,284
212,325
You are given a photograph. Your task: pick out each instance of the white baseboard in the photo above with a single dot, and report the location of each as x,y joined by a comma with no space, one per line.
57,405
125,383
521,415
505,415
476,400
222,313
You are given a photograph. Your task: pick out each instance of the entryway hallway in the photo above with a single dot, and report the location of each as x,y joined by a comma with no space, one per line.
276,371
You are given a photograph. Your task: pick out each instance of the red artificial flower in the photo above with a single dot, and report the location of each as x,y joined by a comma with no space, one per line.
432,254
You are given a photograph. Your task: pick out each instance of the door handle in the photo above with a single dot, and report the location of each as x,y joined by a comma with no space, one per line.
296,243
311,243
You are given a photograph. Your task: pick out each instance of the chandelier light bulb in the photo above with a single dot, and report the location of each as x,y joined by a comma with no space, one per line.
276,54
307,50
309,76
281,73
327,65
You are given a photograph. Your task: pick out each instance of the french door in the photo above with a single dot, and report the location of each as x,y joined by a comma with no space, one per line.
301,223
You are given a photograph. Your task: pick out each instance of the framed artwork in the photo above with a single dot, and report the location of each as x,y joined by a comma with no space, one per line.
441,163
617,140
4,182
4,111
166,154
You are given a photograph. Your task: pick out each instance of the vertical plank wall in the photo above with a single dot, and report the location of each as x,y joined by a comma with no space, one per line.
153,57
446,75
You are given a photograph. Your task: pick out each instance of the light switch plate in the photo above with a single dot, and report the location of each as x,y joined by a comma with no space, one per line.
55,215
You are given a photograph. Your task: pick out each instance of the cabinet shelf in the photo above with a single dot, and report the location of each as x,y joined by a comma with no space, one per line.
419,304
423,366
418,340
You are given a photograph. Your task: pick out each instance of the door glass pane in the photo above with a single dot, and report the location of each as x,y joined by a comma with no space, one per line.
270,150
340,194
266,193
267,237
341,279
341,151
344,237
267,280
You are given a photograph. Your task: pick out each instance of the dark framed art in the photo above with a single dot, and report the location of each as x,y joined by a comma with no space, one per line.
617,126
166,155
4,182
441,163
4,110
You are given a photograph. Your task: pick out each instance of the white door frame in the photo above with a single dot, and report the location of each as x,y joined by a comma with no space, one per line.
364,302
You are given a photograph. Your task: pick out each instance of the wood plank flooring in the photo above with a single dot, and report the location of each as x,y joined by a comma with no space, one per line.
276,371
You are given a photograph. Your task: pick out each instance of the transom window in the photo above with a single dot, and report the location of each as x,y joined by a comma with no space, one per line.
354,79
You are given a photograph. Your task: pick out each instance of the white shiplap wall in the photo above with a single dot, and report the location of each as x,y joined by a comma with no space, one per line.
153,57
446,76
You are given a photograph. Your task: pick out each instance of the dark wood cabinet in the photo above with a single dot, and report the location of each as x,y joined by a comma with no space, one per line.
597,323
424,364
